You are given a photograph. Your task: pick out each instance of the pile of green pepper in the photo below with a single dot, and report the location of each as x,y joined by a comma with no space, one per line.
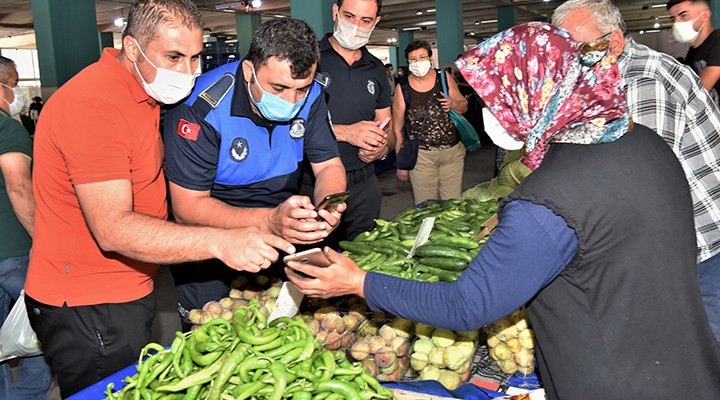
443,258
247,358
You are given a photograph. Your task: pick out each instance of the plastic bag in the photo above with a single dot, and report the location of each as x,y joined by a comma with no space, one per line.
17,338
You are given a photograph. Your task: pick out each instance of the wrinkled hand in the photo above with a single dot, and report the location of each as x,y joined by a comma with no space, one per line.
366,135
446,103
249,249
295,220
342,277
403,174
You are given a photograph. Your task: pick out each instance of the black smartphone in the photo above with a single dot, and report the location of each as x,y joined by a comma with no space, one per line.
332,200
313,256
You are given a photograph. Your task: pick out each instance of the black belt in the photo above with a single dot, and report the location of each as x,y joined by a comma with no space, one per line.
360,175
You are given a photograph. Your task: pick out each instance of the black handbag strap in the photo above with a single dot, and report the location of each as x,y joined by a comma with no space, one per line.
407,93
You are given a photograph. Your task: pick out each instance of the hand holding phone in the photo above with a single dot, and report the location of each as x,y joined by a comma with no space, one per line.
385,124
315,256
332,200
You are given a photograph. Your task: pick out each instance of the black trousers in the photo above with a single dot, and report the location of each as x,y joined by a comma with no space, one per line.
85,344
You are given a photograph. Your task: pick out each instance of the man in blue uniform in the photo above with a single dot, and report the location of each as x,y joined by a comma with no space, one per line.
235,146
358,99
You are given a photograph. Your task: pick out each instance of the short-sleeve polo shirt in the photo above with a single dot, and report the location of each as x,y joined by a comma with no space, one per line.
99,126
354,93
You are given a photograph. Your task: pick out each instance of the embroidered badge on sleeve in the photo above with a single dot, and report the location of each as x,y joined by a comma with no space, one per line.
188,130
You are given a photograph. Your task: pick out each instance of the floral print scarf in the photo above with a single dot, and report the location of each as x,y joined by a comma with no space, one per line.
545,88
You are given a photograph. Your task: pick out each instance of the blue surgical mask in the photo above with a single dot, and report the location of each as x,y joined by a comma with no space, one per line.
273,107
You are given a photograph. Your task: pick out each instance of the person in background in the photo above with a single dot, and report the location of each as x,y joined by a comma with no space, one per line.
421,108
100,231
35,108
358,98
17,211
668,98
236,162
611,295
391,77
692,24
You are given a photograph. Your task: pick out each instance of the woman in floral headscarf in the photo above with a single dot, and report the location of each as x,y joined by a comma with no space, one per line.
598,240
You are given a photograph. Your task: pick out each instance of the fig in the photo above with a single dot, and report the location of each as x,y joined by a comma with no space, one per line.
508,366
275,282
399,345
443,337
370,367
390,369
360,316
424,331
435,357
382,378
207,316
524,358
249,294
387,333
195,316
226,303
324,311
332,323
376,343
379,314
348,338
213,307
227,315
367,327
360,350
418,361
314,327
237,303
384,358
321,337
452,357
333,341
514,345
501,352
235,294
403,327
273,292
351,322
492,341
423,346
449,379
262,281
430,373
239,283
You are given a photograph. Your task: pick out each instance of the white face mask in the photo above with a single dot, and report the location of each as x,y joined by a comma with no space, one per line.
169,87
351,36
420,68
684,32
18,102
498,134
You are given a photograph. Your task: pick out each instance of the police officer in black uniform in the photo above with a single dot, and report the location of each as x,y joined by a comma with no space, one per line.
358,99
234,150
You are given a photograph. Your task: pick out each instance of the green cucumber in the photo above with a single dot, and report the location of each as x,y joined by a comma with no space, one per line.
434,250
457,242
445,263
360,248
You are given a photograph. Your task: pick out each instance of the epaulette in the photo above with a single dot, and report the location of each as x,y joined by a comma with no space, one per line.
213,95
322,79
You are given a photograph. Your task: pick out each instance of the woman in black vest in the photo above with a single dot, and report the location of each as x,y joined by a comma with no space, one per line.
598,240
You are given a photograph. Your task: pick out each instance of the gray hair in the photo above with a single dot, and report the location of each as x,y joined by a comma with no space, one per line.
606,14
5,65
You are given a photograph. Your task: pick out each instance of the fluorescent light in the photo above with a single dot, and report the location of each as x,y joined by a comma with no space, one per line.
489,21
418,12
119,22
431,10
652,31
256,3
656,25
426,23
658,5
412,28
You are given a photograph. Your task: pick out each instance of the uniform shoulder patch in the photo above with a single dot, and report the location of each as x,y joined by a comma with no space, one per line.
323,79
188,130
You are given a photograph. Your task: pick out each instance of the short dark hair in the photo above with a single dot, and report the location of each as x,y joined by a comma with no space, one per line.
147,15
673,3
416,45
389,65
378,2
5,65
286,39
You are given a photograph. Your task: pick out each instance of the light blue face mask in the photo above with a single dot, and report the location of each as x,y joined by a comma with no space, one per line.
273,107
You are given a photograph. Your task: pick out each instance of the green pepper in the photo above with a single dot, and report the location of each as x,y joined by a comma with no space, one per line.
346,390
192,392
301,395
283,349
247,390
281,379
226,371
328,365
202,376
251,364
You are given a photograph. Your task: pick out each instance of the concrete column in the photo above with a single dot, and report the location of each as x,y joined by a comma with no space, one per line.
715,9
106,40
245,25
404,39
507,17
317,13
393,56
450,34
67,39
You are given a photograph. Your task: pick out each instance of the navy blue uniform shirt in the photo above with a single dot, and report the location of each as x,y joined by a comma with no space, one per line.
354,93
243,159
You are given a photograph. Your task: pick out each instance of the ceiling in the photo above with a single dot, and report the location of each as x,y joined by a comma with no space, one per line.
16,24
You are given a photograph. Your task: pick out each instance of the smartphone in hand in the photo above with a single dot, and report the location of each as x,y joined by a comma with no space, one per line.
332,200
385,124
314,256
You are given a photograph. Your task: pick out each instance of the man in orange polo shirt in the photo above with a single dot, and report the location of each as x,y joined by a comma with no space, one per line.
100,225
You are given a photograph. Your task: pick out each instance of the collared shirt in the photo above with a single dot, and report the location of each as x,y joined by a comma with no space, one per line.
354,93
669,98
99,126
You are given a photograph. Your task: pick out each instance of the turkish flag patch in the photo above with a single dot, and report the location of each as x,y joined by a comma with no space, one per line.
188,130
